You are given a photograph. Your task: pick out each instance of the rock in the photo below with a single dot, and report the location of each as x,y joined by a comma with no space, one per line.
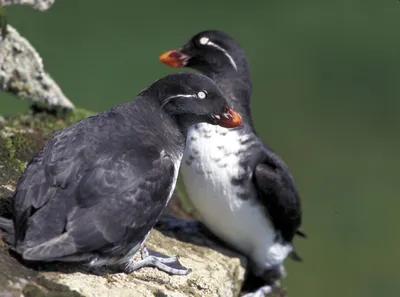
36,4
216,271
22,73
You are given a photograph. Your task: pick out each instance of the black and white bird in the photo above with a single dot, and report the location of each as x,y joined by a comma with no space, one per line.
242,190
97,188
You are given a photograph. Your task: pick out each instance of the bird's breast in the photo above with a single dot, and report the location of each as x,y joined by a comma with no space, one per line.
219,186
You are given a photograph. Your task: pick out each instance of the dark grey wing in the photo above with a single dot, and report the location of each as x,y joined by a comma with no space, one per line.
32,192
115,205
56,165
47,190
66,156
47,176
278,193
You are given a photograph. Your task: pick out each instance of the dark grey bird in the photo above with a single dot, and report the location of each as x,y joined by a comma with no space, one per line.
97,188
242,190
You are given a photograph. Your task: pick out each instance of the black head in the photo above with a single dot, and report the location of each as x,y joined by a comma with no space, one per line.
193,98
209,52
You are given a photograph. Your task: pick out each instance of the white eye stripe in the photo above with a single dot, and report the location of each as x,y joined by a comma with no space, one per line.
225,53
206,41
170,98
201,95
181,95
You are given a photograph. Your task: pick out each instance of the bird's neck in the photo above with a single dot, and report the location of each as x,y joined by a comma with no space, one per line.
238,88
164,127
184,123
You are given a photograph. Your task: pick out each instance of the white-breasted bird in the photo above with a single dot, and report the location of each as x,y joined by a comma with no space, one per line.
242,190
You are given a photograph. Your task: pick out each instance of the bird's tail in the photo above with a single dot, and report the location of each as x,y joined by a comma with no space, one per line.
301,233
294,255
7,225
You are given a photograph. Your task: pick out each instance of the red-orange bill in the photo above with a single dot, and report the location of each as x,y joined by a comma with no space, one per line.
230,119
174,58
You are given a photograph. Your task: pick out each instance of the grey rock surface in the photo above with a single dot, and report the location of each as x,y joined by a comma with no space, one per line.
22,72
37,4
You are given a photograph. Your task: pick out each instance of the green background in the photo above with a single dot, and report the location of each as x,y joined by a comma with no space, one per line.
326,97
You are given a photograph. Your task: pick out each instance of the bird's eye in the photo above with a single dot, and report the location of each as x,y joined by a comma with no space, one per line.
202,94
204,40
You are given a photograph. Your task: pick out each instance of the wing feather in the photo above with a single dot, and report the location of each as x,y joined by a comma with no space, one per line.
100,191
277,192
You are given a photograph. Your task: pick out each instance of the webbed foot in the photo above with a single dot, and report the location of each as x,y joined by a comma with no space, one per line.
150,258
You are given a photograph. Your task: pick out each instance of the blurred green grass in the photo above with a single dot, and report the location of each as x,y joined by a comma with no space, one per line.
326,98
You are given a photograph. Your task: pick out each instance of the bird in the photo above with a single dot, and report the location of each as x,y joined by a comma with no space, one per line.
95,190
242,190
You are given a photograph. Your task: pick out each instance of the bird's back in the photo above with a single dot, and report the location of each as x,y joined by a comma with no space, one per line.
110,152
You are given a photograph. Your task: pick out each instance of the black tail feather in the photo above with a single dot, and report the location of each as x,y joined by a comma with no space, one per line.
295,257
7,225
10,240
301,234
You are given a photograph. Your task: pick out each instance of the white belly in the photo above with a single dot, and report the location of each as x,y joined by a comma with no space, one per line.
209,163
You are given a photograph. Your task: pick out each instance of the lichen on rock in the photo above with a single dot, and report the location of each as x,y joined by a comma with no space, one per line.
22,72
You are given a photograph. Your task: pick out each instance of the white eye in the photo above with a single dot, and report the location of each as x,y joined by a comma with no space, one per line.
204,40
201,95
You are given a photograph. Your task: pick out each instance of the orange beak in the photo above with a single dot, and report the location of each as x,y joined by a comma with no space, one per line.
174,58
229,119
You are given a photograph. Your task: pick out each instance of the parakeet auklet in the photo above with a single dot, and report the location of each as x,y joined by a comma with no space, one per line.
242,190
97,187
